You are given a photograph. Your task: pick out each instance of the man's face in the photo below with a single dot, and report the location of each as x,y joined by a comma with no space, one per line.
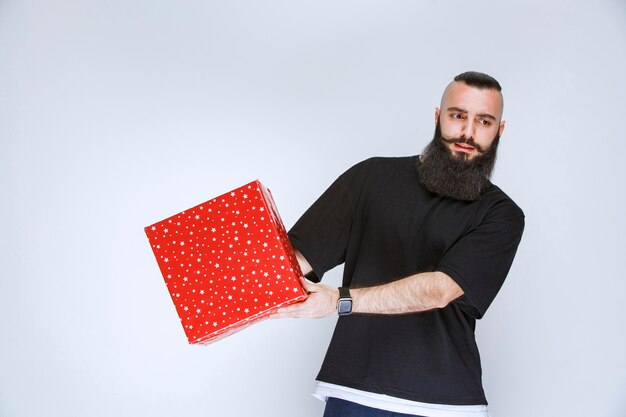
469,119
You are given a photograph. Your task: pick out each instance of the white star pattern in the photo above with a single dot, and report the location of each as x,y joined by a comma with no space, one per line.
216,256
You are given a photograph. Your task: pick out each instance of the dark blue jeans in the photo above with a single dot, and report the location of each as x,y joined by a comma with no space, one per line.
342,408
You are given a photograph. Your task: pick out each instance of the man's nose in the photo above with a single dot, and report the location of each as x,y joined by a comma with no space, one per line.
468,130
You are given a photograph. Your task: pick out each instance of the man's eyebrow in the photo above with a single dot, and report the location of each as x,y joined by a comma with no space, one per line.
458,109
487,116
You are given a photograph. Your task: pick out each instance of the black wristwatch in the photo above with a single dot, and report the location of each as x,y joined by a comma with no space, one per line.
344,305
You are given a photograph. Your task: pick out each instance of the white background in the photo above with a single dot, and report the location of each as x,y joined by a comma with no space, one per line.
116,114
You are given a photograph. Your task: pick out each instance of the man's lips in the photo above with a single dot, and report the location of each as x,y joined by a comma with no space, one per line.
463,147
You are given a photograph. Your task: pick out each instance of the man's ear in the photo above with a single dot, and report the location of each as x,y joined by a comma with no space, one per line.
501,128
437,113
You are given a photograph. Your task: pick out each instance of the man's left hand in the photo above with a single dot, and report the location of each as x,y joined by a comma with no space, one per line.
321,302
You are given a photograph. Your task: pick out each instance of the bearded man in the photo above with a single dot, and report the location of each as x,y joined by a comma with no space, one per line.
427,242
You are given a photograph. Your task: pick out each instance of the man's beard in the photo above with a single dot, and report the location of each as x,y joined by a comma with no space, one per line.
455,176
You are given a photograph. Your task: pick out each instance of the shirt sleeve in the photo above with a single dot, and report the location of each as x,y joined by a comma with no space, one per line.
480,261
323,231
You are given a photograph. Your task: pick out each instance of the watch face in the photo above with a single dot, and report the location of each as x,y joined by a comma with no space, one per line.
344,307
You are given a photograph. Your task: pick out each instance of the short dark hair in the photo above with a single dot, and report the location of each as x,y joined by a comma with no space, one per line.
479,80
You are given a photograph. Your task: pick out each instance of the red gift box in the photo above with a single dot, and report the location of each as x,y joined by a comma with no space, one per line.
227,263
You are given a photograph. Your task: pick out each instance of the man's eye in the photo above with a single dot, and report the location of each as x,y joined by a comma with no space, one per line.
484,122
455,116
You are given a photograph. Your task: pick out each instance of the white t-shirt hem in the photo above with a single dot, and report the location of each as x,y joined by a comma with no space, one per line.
323,390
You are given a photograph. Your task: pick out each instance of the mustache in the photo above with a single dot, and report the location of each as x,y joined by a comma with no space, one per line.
469,142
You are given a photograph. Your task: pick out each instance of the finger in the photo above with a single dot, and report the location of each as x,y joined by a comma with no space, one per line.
287,311
290,314
287,316
295,311
309,286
